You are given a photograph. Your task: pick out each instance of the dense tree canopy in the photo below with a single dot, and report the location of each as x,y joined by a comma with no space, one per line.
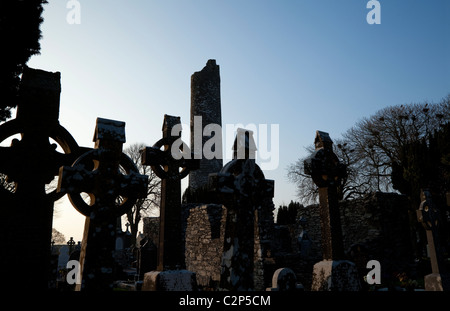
288,214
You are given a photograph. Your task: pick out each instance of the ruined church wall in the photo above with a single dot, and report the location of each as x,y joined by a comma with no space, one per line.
379,222
204,239
378,216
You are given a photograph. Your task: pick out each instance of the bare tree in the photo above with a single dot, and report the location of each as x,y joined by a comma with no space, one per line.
351,186
150,203
373,146
58,237
378,141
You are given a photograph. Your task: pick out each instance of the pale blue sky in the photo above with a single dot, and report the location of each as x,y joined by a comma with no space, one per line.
306,65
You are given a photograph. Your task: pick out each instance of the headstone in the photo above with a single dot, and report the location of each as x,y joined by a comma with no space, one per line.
171,165
63,258
170,280
242,187
146,257
112,194
32,162
284,279
333,273
205,106
303,240
75,254
304,244
428,216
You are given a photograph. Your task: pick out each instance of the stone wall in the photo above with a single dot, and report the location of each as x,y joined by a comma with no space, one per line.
204,237
374,227
204,242
375,217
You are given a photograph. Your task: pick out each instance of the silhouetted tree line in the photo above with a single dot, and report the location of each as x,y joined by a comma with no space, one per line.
288,214
20,33
424,163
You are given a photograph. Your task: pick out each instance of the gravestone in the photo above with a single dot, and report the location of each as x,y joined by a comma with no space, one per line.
242,188
64,255
112,194
333,273
428,216
205,106
146,257
171,164
304,241
284,279
31,163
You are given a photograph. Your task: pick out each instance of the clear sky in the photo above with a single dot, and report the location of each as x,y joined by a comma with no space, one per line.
304,65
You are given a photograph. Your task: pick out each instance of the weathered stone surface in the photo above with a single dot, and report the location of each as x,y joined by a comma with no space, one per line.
437,282
204,237
171,280
284,279
335,275
205,103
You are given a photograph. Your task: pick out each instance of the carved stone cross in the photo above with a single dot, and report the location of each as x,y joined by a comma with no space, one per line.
114,184
71,244
242,187
333,273
428,216
30,163
326,172
171,164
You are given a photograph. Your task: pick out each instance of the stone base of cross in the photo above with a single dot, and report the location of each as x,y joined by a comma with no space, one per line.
437,282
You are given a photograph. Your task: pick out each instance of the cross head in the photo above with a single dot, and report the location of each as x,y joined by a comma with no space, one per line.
114,184
171,164
326,172
242,187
